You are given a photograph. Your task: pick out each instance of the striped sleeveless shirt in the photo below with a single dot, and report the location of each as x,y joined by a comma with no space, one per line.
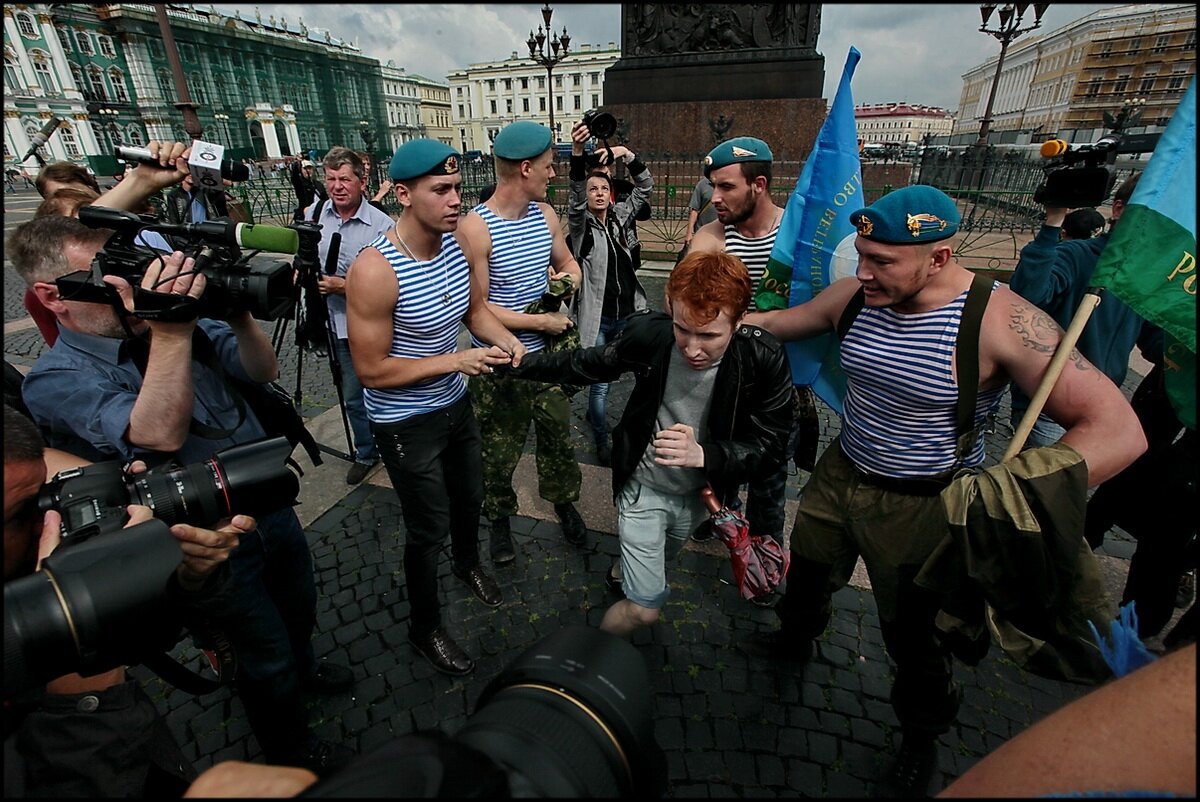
898,418
753,251
518,272
423,325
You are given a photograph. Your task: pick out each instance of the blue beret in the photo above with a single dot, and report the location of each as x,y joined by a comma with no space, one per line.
419,157
909,216
523,139
735,151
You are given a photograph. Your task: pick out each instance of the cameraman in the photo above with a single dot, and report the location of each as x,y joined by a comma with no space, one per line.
99,735
116,386
1054,275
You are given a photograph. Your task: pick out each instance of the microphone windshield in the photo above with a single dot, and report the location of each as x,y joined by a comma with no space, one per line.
273,239
1053,147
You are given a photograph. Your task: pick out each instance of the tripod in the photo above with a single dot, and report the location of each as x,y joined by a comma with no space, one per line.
310,312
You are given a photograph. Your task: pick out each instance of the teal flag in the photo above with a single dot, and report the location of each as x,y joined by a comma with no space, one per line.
815,220
1150,260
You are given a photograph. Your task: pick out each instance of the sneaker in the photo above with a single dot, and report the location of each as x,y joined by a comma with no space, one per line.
913,769
328,678
358,471
501,542
572,525
1185,593
325,757
775,646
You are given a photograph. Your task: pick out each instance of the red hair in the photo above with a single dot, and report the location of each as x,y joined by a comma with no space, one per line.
711,281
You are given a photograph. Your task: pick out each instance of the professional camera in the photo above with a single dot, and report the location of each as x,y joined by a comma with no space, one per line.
1081,176
601,124
233,285
99,600
572,716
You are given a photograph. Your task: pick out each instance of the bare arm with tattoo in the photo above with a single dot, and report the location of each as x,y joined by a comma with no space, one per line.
1017,341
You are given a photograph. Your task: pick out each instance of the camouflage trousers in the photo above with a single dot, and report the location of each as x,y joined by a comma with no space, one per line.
504,407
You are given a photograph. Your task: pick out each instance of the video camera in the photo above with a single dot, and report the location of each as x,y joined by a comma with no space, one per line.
1081,176
98,600
233,285
572,716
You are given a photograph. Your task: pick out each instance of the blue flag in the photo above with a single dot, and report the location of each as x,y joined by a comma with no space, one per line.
815,222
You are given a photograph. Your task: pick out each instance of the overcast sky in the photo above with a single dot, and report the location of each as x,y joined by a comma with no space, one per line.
914,52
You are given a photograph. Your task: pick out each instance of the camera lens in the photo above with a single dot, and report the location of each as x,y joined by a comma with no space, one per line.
571,717
601,124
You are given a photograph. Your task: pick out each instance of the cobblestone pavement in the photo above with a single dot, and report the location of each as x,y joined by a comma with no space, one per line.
730,725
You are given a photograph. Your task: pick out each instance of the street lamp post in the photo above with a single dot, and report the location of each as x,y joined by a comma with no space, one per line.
108,117
223,122
1009,28
559,45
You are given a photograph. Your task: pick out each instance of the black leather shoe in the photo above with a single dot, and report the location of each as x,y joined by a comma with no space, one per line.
325,758
328,678
913,770
572,525
614,583
483,586
501,542
443,653
702,532
358,471
774,646
604,454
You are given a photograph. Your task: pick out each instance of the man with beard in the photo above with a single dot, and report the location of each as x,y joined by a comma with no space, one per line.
519,237
409,290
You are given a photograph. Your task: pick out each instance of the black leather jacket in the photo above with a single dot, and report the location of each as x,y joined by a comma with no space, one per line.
750,417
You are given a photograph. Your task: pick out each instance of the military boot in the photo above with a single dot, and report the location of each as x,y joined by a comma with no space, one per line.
501,542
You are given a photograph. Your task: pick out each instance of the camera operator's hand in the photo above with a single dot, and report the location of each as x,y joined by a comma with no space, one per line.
171,274
618,152
234,779
331,285
205,549
1055,215
580,134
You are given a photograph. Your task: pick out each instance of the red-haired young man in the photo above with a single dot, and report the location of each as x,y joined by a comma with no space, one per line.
711,404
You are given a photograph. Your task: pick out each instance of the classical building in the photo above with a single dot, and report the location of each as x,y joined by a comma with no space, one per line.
1062,82
900,123
435,109
487,96
263,88
402,97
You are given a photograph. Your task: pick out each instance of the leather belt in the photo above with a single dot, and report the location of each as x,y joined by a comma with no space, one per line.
913,486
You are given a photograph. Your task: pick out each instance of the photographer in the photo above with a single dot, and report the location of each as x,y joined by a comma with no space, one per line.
307,188
1054,275
116,386
602,240
98,735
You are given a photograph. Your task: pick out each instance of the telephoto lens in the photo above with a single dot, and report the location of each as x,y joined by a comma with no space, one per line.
601,124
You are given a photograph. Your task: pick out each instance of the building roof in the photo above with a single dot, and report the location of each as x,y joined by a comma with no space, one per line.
899,110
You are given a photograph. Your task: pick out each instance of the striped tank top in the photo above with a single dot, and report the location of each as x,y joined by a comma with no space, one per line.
753,251
898,418
423,325
518,272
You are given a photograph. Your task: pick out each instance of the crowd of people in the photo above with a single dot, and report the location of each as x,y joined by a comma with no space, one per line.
928,350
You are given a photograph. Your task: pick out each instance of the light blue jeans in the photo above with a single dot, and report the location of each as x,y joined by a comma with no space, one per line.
352,391
653,526
597,416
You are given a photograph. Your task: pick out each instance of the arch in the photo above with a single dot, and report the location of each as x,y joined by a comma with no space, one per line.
254,129
281,134
133,132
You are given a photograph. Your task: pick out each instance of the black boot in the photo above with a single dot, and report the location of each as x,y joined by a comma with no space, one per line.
913,769
501,542
572,525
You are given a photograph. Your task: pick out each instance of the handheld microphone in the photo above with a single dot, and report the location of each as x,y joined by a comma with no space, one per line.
331,257
273,239
234,171
43,136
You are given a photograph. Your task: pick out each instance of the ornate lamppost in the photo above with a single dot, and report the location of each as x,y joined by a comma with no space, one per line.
1009,28
108,117
559,45
223,122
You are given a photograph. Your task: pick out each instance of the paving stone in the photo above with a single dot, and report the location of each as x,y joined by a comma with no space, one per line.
846,786
804,777
822,748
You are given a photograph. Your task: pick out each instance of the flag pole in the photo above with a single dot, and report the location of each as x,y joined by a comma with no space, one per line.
1083,313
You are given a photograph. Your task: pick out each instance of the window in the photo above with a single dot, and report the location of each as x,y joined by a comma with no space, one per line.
541,104
41,68
460,91
491,84
558,82
493,105
1176,81
558,104
1147,84
575,79
508,106
85,43
67,137
1160,44
541,82
595,101
96,82
31,130
508,83
524,83
64,39
167,89
1190,42
1122,83
525,104
578,102
11,71
77,76
595,79
460,111
26,27
117,79
106,46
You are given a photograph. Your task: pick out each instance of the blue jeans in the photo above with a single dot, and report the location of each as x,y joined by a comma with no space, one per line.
268,611
597,417
352,392
435,463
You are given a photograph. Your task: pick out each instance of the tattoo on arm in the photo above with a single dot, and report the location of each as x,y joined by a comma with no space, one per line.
1039,332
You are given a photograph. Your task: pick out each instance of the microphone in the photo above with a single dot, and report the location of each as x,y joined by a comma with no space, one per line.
1053,147
331,256
43,136
223,231
234,171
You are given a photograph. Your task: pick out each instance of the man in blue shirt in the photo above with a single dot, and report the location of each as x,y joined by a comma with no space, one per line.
118,387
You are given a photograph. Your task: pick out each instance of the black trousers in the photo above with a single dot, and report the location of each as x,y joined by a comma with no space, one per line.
434,462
